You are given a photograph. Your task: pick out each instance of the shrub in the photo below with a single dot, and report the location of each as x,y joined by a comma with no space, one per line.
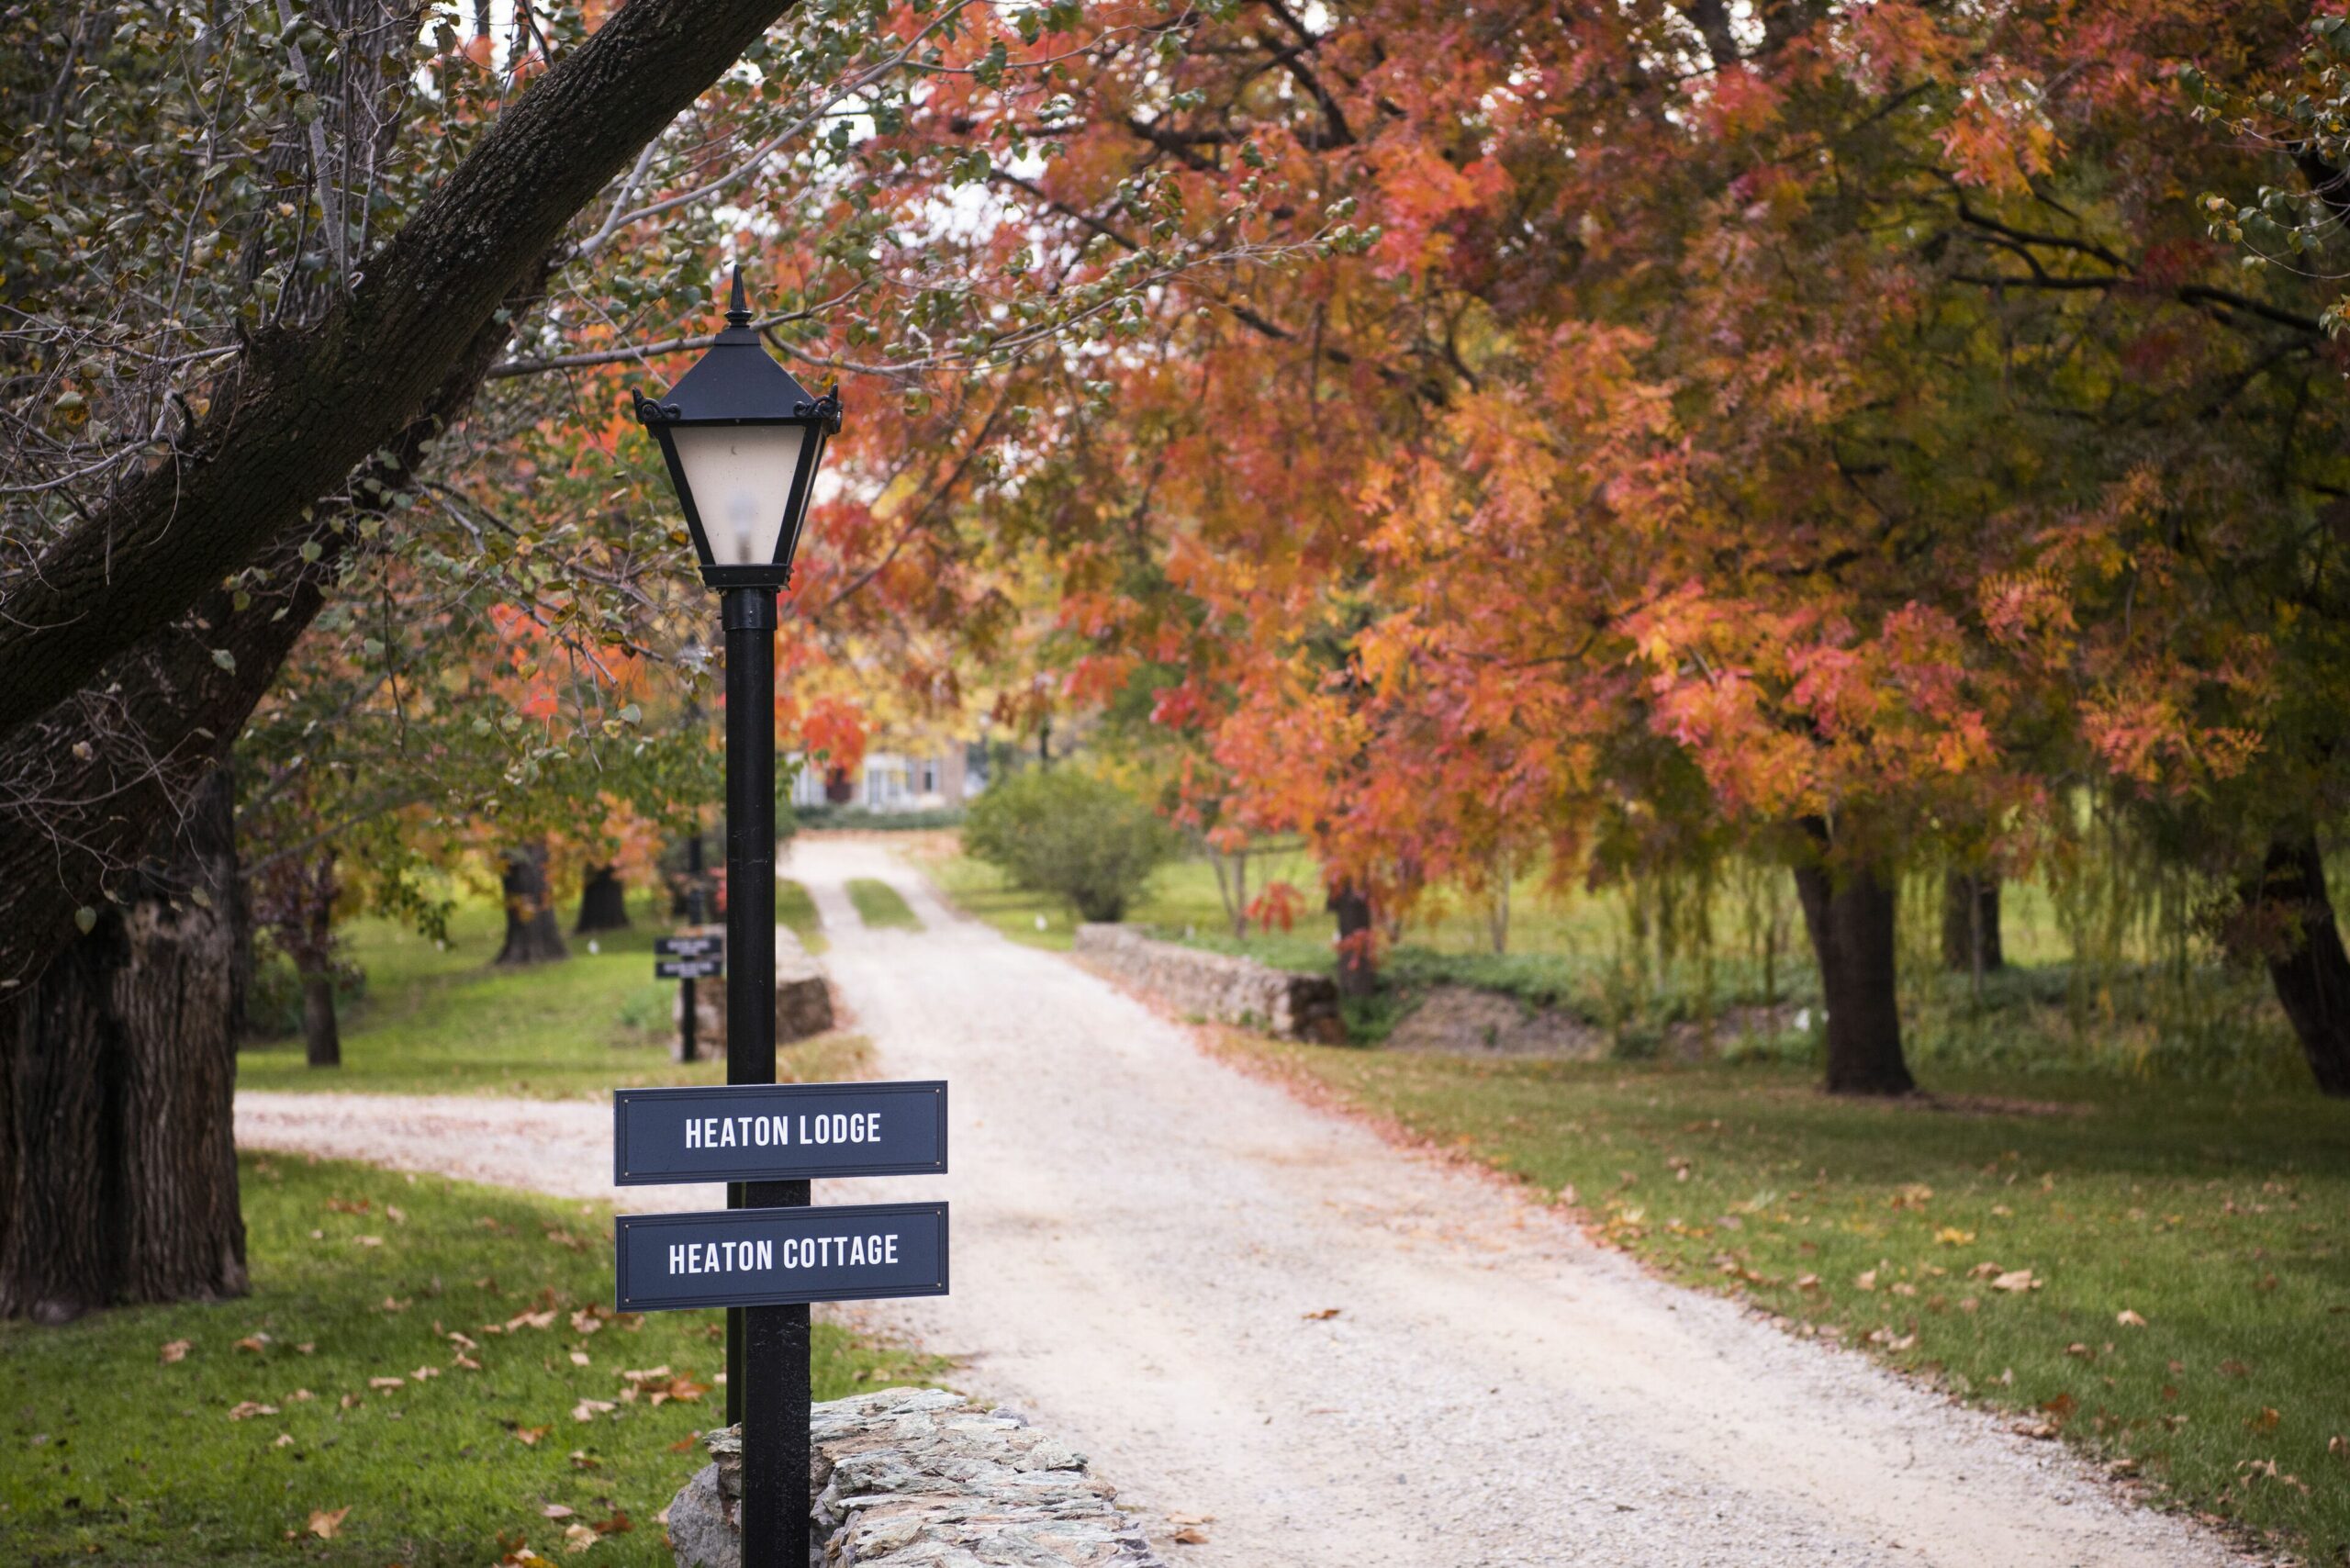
1061,832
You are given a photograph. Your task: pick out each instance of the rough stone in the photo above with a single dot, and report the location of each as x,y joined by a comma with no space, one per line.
918,1478
1217,986
804,999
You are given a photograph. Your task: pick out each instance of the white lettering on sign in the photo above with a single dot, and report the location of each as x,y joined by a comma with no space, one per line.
861,1126
742,1132
720,1257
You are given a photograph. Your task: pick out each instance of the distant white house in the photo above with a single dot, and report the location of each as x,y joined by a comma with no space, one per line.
897,780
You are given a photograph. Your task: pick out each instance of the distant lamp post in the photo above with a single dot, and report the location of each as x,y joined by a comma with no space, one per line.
743,439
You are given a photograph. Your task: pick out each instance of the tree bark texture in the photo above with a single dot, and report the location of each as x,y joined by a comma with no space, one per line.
1847,908
117,1073
532,935
1358,970
2306,962
1971,922
300,409
603,901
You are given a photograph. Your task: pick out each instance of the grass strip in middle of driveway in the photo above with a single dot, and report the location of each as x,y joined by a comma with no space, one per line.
880,905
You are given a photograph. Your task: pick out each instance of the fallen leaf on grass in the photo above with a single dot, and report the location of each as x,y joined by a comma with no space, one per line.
530,1436
246,1409
579,1358
326,1526
1866,1280
587,1319
619,1524
557,1511
530,1320
368,1240
2129,1319
256,1343
466,1361
284,1439
1984,1271
1323,1316
1950,1235
301,1397
579,1538
349,1400
1808,1283
2016,1280
686,1444
2255,1468
420,1373
306,1347
388,1383
176,1351
393,1210
588,1410
2264,1422
2233,1368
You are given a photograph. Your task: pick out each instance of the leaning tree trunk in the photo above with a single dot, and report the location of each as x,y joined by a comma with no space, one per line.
1971,922
1358,970
118,1073
2306,962
532,935
603,901
1849,912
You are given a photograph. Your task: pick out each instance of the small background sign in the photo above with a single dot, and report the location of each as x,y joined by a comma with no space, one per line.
778,1132
774,1257
688,969
707,946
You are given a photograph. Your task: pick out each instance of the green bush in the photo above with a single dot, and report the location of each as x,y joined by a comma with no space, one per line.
1061,832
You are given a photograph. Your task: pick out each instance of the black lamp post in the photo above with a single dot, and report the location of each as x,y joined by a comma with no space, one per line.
742,439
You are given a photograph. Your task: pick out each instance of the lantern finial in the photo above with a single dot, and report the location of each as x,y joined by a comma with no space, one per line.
738,314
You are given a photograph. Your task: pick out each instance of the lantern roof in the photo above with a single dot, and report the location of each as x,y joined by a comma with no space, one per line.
736,378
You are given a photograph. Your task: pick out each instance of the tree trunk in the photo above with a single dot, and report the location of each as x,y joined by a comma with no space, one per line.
532,935
1849,912
1971,922
322,1034
2306,961
299,409
1358,970
117,1073
603,901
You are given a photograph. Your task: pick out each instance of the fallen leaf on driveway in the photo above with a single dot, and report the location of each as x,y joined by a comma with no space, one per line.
1191,1535
1324,1315
326,1524
176,1351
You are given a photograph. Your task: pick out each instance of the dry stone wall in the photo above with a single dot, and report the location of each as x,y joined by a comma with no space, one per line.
1216,985
919,1478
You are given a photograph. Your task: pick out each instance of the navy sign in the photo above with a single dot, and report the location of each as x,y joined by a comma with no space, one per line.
688,969
778,1132
774,1257
709,946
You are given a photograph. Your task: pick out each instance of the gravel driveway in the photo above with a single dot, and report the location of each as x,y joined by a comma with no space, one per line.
1148,1248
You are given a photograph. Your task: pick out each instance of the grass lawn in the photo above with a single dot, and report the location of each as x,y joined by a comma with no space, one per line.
2221,1219
436,1021
333,1417
879,904
795,909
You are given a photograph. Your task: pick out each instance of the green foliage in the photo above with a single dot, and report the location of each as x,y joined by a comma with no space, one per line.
2220,1217
119,1456
882,906
274,993
795,910
857,818
1080,838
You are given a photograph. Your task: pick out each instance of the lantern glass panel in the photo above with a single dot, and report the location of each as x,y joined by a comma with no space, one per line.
740,478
